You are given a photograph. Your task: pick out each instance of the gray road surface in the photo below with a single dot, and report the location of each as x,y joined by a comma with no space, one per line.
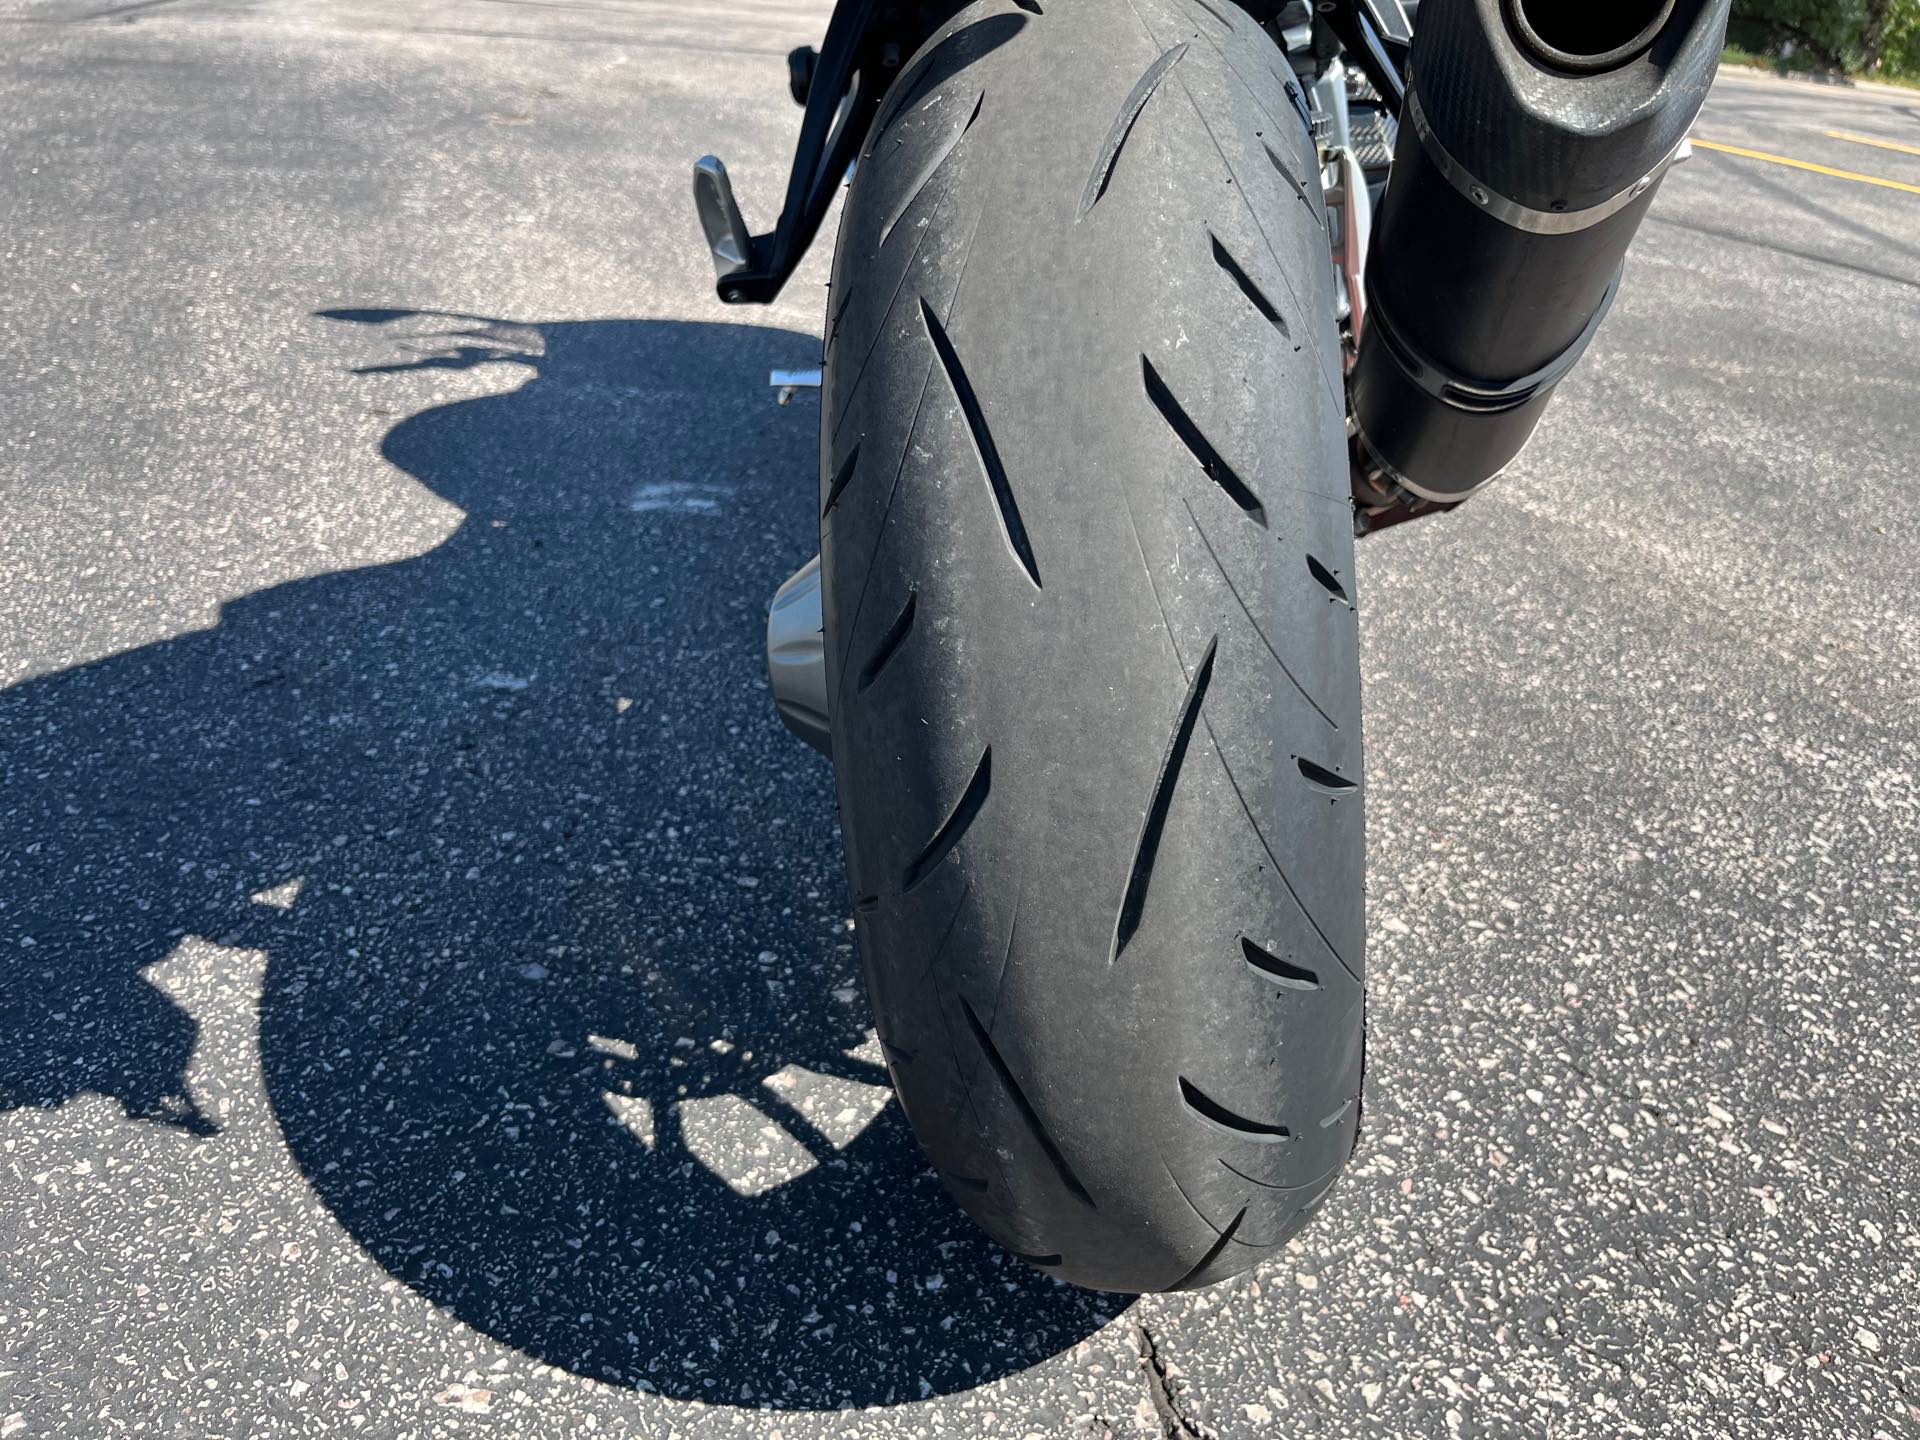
427,1001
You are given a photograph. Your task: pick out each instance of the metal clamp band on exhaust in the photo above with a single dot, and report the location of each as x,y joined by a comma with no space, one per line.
1462,394
1512,212
1455,394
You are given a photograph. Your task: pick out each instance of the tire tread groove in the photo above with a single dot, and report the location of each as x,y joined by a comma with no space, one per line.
954,828
1025,1107
1211,461
1153,825
1122,127
988,454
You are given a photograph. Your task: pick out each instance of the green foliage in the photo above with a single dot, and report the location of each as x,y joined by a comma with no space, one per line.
1903,40
1857,36
1801,62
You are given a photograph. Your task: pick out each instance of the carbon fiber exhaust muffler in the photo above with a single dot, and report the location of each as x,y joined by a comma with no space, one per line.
1534,137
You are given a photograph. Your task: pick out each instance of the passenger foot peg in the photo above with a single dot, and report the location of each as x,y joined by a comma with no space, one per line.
726,230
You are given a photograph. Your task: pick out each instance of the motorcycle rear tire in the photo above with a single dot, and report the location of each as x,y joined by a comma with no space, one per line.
1091,635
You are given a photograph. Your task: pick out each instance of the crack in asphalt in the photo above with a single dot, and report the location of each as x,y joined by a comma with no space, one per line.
1174,1425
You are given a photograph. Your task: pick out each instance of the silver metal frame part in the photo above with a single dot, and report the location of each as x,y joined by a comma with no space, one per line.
1328,97
1350,232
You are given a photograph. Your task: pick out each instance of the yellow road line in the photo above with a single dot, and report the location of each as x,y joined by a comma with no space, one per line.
1869,140
1807,165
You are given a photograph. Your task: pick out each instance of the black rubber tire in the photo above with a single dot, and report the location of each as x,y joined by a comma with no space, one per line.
1092,648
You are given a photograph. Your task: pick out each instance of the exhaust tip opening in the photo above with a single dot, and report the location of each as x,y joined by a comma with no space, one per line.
1585,36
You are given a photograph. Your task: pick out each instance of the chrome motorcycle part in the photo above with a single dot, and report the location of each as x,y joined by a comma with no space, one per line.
797,657
788,383
1350,227
1331,114
728,240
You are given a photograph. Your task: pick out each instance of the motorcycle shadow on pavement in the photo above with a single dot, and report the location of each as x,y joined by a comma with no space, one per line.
561,1015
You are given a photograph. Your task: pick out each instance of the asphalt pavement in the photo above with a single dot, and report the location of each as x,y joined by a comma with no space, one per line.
428,1001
